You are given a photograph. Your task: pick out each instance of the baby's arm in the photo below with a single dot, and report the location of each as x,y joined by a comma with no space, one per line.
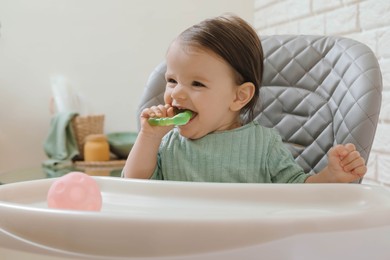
142,159
344,165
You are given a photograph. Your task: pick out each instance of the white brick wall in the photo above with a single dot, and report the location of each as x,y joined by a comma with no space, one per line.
367,21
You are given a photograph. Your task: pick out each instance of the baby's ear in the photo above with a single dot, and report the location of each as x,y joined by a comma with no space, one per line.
244,94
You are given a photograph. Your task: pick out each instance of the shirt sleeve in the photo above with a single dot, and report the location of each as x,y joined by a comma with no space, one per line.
281,164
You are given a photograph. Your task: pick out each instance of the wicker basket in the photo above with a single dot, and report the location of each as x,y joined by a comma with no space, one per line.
102,164
84,126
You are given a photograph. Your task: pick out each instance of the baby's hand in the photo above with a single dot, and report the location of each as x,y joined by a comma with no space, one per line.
345,163
156,112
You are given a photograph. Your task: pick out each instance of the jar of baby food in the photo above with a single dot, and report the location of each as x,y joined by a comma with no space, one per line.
96,148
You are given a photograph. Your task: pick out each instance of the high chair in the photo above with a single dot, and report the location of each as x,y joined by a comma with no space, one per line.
317,91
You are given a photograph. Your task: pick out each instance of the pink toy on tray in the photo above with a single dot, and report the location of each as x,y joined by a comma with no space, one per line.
75,191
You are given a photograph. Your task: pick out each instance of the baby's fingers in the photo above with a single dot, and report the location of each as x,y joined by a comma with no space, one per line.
155,111
145,113
351,161
350,147
343,150
359,171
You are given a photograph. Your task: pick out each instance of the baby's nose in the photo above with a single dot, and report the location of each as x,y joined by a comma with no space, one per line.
179,92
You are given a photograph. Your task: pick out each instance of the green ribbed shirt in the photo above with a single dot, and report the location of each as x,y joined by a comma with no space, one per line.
249,154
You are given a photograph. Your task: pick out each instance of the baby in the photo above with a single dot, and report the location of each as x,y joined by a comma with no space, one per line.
214,69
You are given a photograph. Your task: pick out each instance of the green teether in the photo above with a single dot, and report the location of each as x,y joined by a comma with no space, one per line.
179,119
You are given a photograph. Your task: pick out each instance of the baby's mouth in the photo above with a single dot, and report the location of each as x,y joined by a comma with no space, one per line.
181,110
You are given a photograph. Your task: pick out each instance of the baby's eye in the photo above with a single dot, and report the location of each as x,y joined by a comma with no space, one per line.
170,80
197,84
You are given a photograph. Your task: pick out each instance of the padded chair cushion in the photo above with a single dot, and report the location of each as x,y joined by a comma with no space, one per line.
320,91
317,91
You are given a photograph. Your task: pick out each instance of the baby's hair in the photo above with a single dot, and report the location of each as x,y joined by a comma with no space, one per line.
234,40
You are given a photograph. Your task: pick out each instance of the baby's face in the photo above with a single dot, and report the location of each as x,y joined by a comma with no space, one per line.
204,83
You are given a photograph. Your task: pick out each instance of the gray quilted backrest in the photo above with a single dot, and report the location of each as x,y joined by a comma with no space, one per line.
317,91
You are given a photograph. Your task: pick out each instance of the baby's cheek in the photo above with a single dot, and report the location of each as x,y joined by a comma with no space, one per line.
168,97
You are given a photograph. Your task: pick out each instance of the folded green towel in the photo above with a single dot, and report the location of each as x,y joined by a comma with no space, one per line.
61,144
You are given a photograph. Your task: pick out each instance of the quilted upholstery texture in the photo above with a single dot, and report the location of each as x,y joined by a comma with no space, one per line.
317,91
